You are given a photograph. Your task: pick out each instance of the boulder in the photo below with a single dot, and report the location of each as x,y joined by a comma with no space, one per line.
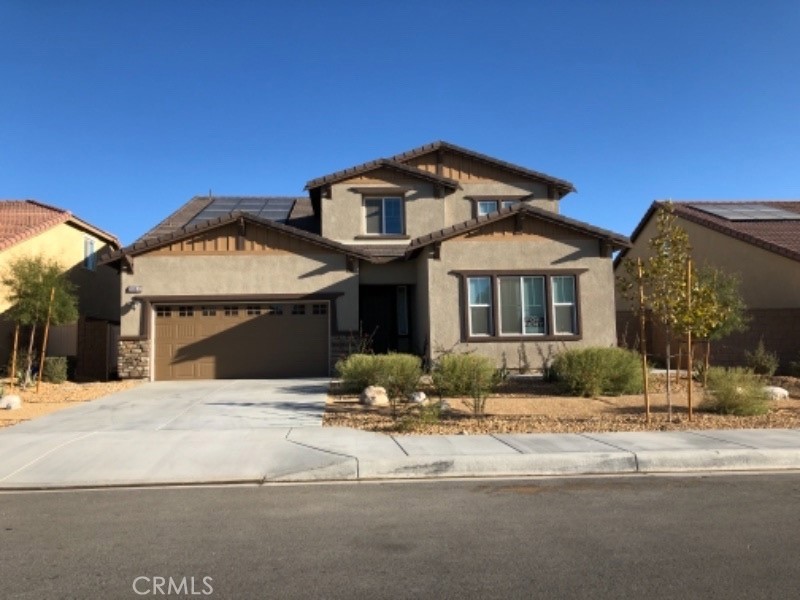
10,402
419,398
775,392
374,395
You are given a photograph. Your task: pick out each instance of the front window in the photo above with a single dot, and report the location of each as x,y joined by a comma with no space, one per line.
564,305
384,216
480,306
522,306
535,305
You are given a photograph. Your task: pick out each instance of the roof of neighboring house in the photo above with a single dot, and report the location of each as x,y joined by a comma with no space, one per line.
776,235
151,242
24,219
381,163
301,215
616,240
563,184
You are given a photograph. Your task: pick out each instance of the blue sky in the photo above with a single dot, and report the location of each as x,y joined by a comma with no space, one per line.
121,111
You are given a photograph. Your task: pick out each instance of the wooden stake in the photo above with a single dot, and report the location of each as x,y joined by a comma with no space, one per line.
689,337
14,355
642,341
44,341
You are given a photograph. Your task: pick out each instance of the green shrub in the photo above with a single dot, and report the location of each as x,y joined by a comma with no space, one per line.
55,369
466,375
794,367
399,374
598,371
735,392
761,361
359,371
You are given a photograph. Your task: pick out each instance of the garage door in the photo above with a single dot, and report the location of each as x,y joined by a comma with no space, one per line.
241,341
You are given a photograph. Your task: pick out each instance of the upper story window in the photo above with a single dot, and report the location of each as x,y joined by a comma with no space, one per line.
484,207
89,257
384,215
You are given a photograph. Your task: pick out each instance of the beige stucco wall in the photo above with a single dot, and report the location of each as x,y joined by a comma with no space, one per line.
343,217
98,291
219,275
393,273
768,280
535,254
458,208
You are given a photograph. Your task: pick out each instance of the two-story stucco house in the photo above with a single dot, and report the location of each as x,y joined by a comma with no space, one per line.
29,228
435,248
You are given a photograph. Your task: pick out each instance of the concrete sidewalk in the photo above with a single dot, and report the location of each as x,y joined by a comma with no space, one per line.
109,457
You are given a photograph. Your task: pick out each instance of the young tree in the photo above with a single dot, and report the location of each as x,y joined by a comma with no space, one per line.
665,279
717,308
29,283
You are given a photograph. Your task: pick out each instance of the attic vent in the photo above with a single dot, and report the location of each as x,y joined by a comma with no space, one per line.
748,212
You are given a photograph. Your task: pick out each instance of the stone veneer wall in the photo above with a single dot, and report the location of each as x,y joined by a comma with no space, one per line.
134,359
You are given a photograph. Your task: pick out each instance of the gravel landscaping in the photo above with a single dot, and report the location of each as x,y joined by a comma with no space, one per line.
52,397
533,407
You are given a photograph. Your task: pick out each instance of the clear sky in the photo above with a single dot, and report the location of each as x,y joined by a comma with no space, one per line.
121,111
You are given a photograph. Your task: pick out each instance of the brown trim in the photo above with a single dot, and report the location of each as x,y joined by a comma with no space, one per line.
381,191
381,163
382,236
547,274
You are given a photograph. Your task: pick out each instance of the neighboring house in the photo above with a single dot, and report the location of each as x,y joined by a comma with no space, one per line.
28,229
757,240
435,248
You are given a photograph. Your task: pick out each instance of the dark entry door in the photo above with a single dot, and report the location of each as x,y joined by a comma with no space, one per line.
383,312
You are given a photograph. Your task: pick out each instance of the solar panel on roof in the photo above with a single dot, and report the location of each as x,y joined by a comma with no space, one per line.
748,212
273,209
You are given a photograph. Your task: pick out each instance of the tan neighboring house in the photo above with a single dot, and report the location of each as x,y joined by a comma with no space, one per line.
436,248
31,228
757,240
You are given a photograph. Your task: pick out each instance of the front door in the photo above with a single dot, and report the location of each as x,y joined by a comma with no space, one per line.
383,313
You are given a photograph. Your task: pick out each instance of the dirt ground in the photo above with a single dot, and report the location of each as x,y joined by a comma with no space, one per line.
52,397
533,407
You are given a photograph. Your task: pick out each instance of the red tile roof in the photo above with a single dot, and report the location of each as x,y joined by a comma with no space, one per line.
778,236
24,219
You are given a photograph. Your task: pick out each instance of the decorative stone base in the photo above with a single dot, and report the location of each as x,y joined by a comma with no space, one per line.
133,361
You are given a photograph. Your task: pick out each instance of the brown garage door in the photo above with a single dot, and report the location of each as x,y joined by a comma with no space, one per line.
241,341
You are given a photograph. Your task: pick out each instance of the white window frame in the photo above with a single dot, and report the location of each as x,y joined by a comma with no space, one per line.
384,200
573,304
471,305
89,256
521,279
479,207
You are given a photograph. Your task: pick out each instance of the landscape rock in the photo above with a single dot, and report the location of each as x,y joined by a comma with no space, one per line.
374,395
776,393
10,402
419,398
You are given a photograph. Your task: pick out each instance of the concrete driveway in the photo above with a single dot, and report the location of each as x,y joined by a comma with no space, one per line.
195,406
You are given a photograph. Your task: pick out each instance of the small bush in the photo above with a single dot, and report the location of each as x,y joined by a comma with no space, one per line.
735,392
359,371
794,367
761,361
598,371
399,374
55,369
466,375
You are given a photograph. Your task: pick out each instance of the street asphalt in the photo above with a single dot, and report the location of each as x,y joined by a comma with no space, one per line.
243,431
